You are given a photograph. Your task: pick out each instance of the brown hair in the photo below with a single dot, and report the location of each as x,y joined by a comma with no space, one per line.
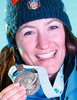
70,41
7,60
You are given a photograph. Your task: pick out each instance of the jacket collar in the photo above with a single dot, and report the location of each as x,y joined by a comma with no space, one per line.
69,64
72,80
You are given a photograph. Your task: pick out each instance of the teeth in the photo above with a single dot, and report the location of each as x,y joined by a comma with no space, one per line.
51,54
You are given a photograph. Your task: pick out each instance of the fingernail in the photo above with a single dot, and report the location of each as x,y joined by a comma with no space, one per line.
21,86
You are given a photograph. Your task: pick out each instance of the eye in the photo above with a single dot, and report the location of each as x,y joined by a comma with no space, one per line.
28,33
52,27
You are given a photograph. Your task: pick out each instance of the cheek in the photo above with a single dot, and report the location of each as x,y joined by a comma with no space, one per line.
25,48
59,39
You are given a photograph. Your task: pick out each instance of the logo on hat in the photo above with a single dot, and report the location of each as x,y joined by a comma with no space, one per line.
33,4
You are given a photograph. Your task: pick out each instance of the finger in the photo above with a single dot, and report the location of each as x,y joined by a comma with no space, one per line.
19,95
23,97
13,91
0,96
8,89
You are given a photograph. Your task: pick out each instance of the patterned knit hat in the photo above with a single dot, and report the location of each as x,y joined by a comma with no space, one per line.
28,10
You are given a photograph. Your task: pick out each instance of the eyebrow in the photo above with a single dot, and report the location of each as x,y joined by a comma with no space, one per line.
26,26
53,21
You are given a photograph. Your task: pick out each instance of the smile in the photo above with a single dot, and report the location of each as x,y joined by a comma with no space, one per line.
45,56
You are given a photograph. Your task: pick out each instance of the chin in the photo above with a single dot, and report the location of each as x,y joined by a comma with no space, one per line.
52,70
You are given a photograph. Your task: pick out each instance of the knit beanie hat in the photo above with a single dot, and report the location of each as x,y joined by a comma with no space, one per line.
28,10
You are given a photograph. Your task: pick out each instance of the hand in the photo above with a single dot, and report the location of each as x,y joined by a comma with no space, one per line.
13,92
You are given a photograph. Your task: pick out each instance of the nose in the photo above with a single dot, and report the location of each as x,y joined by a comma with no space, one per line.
43,41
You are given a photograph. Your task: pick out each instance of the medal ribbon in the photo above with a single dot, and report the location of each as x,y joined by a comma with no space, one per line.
49,90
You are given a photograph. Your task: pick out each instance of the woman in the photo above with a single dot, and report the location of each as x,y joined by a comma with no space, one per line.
39,34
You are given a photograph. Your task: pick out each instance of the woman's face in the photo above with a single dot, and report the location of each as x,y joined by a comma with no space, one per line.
42,43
